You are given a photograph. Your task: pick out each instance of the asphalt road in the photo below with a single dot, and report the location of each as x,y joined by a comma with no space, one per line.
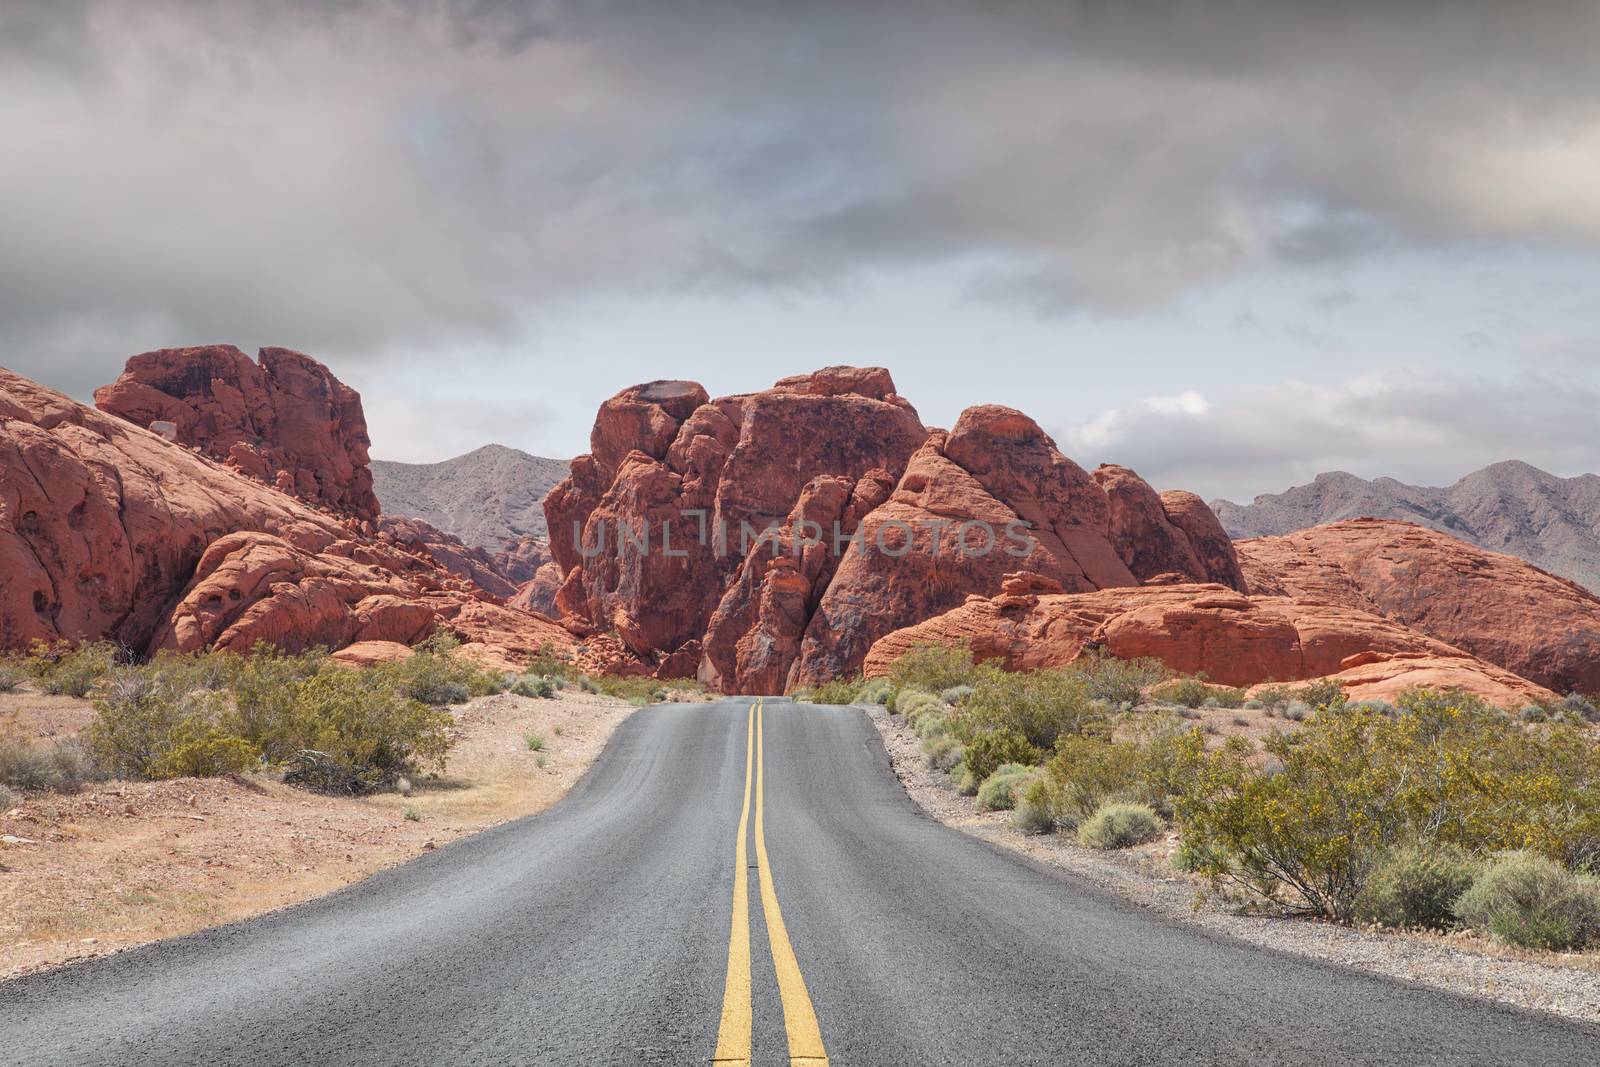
606,931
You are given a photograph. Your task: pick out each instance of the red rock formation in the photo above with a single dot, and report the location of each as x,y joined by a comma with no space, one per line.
286,421
1498,607
108,530
520,559
1173,533
473,564
538,594
1233,638
992,496
674,493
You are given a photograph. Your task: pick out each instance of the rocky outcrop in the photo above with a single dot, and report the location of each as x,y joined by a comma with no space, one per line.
471,563
1233,638
539,592
286,420
520,558
1497,607
655,525
111,531
874,523
1172,533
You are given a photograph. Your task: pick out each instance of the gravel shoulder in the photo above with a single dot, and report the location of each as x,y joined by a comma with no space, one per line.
1564,985
122,863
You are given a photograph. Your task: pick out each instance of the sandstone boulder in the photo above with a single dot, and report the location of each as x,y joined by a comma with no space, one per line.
1233,638
473,564
286,420
1497,607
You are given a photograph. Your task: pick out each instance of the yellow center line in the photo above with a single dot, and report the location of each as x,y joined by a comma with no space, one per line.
799,1018
733,1035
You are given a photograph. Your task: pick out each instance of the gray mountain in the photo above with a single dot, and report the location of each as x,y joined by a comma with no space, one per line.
1510,507
487,497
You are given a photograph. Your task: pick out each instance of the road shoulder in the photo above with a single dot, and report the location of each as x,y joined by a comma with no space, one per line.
1145,877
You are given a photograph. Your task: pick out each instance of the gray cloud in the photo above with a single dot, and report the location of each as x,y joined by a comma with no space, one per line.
1422,429
351,177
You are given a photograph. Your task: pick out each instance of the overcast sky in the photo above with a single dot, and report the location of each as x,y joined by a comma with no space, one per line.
1228,244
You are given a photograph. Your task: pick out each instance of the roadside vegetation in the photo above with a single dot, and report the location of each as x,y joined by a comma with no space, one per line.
323,725
1437,811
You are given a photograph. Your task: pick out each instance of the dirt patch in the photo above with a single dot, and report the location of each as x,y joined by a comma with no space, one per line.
122,863
1468,964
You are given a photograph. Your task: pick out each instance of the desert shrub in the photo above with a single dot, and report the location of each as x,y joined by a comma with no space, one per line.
1274,696
988,751
1578,708
1354,783
833,691
533,685
64,669
1000,790
1530,900
61,765
1150,768
434,674
636,691
1297,711
966,782
150,724
1194,692
874,691
930,725
535,742
1254,704
915,703
1032,814
1416,885
1119,825
956,694
1040,705
7,799
12,674
1534,713
943,752
1120,682
355,737
934,668
1321,694
548,663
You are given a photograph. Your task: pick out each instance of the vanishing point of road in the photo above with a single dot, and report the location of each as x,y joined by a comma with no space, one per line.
736,883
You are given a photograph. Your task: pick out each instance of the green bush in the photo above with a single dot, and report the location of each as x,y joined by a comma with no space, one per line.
1321,694
535,742
1040,705
1119,825
1001,790
548,663
1151,769
355,737
966,782
1195,692
956,694
1355,782
12,674
1416,885
636,691
988,751
434,674
835,691
915,703
59,765
934,668
151,724
930,725
1530,900
1120,682
66,670
874,691
943,752
7,800
532,685
1033,815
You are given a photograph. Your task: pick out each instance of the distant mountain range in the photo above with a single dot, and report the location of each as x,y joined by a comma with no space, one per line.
1510,507
487,497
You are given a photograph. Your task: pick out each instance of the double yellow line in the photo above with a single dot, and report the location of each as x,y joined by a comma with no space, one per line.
799,1018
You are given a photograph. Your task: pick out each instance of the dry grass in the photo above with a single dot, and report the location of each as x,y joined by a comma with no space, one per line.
121,863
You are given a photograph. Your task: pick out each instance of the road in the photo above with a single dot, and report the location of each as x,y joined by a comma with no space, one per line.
633,922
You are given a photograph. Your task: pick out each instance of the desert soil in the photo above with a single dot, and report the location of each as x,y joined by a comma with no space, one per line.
1563,984
122,863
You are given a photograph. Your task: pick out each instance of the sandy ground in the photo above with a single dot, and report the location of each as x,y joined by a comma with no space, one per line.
1563,984
122,863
